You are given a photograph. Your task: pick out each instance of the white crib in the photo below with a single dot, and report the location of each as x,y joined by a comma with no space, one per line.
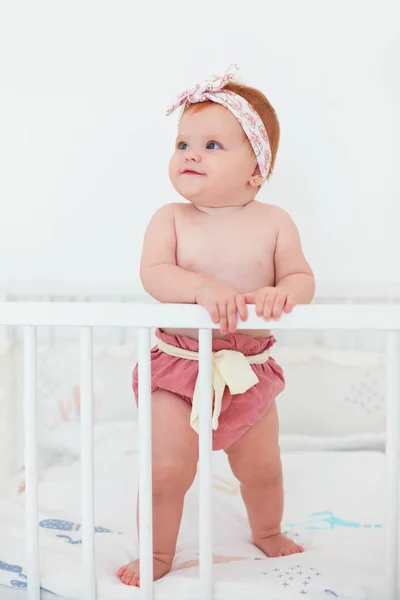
144,316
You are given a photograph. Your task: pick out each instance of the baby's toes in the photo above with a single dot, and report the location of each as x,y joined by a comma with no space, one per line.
127,577
134,580
121,571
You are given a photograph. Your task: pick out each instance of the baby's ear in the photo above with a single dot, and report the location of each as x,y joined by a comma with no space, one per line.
256,179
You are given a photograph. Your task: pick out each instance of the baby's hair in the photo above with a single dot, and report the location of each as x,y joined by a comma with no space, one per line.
264,109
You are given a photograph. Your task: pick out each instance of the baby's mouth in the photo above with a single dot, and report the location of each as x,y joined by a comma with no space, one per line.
191,172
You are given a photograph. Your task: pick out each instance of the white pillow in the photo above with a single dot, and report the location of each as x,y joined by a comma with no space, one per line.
331,393
58,384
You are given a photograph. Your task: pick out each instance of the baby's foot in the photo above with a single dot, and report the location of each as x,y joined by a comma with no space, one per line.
278,545
129,574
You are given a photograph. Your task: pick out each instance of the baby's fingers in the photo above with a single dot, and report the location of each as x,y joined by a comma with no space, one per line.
259,302
268,304
212,309
249,297
242,307
290,303
223,317
279,303
232,316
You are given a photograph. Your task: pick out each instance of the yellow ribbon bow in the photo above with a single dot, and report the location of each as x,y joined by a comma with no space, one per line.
229,368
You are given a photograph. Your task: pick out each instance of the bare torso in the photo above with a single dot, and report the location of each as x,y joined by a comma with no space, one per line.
233,246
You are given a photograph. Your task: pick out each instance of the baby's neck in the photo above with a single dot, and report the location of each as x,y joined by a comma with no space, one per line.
221,211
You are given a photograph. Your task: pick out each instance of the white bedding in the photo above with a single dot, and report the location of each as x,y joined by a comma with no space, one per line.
344,544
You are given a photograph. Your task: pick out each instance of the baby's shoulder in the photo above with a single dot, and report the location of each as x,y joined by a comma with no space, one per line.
167,213
175,209
171,208
275,215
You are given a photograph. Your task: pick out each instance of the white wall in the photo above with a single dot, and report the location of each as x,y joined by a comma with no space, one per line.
84,143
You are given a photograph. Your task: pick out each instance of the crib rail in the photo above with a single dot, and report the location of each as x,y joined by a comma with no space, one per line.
376,317
85,316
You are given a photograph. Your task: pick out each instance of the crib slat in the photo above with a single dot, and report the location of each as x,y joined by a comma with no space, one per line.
87,466
145,466
393,463
205,464
31,480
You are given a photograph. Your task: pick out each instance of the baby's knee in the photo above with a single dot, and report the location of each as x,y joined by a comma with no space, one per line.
172,477
266,470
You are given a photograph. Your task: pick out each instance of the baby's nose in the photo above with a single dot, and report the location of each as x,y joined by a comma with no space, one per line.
192,156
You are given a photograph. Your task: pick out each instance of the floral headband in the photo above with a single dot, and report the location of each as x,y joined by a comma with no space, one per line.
248,118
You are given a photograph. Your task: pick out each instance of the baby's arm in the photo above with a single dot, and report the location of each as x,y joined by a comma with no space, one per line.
159,273
293,274
163,279
294,279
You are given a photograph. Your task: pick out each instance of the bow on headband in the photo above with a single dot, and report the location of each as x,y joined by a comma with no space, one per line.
212,90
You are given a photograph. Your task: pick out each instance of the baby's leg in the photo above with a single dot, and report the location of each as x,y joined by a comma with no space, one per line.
255,461
175,455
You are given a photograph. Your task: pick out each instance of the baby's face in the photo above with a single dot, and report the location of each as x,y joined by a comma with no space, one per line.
213,163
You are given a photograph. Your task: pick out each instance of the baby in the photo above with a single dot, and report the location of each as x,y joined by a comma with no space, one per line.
221,250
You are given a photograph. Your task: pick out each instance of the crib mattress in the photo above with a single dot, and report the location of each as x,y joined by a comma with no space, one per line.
334,506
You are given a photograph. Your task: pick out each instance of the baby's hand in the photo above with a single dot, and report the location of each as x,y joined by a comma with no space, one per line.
271,302
222,304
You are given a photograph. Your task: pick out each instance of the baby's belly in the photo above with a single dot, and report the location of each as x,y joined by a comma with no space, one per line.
193,333
242,272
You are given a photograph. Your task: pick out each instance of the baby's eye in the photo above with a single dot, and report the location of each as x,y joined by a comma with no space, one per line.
212,145
182,146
